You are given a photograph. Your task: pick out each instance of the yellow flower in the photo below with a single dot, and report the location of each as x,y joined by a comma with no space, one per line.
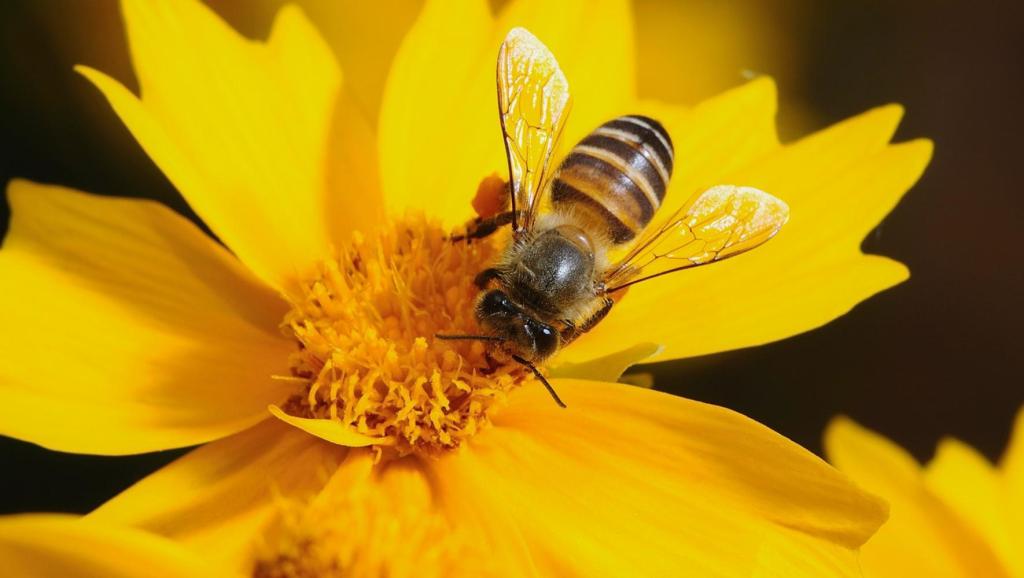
958,516
130,330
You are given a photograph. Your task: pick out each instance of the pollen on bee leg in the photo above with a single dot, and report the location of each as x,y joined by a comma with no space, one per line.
365,325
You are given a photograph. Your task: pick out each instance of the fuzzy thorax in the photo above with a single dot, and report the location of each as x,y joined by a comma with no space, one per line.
365,327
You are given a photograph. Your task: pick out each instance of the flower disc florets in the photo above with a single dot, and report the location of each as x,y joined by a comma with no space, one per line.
365,324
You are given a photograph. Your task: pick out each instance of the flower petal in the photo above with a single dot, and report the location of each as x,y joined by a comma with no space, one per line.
365,37
439,133
923,537
608,368
216,499
373,519
127,329
328,430
692,50
44,545
839,183
972,487
240,128
1012,466
630,482
436,105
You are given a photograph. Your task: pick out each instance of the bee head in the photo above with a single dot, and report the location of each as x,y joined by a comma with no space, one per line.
522,334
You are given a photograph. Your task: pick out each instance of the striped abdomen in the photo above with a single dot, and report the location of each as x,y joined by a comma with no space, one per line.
618,174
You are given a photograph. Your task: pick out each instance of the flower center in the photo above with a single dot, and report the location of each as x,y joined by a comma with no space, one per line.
365,325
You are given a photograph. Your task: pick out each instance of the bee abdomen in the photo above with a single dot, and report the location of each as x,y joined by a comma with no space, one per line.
618,173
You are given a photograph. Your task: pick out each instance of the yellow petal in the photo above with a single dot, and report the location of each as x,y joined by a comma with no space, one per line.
127,329
354,200
240,128
980,494
218,498
923,536
439,131
718,137
328,430
1012,463
372,520
436,103
691,50
971,486
46,545
1012,467
365,37
839,183
608,368
630,482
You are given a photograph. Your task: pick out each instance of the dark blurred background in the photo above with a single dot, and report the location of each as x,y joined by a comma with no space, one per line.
939,355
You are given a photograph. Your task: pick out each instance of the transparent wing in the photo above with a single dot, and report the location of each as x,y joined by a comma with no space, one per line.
533,103
721,222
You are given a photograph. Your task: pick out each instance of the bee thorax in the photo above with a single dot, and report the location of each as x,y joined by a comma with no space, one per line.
553,272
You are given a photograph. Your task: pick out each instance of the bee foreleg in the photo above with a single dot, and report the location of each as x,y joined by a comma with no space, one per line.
484,277
480,228
572,331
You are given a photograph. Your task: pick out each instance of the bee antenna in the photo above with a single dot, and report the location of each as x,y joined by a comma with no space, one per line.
516,358
542,379
469,337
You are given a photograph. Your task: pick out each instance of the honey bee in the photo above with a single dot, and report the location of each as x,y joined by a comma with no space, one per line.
558,277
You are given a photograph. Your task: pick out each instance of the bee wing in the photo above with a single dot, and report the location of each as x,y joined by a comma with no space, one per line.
533,103
721,222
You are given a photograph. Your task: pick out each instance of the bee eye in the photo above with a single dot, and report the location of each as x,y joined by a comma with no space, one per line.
545,340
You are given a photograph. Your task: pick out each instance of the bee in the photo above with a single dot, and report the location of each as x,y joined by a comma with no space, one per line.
565,266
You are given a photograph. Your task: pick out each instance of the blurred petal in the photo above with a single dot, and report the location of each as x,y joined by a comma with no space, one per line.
128,330
365,37
437,102
630,482
241,128
970,485
373,520
977,492
439,132
923,537
692,50
46,545
1012,466
354,201
839,184
218,498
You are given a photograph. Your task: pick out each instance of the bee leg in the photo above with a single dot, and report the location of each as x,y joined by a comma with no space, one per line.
480,228
572,331
568,333
484,277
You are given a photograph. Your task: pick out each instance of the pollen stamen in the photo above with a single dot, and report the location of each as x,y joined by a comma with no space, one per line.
365,327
